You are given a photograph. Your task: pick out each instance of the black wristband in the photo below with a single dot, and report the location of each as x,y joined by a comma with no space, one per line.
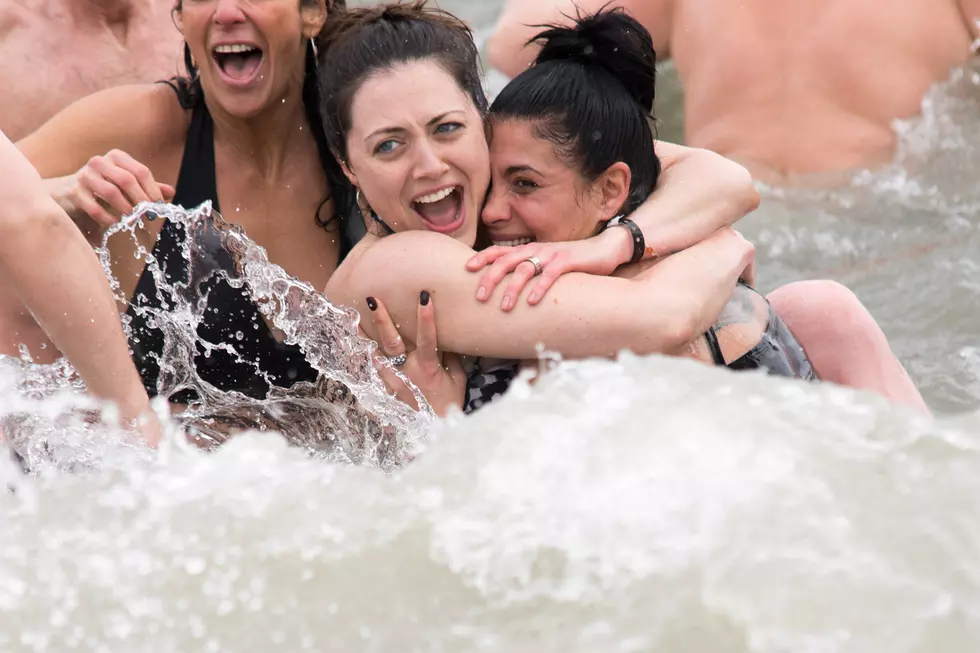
639,244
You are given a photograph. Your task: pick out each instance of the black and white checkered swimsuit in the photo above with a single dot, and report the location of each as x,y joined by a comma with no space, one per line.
485,385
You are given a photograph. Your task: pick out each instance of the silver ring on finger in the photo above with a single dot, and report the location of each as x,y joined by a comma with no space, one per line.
538,268
399,360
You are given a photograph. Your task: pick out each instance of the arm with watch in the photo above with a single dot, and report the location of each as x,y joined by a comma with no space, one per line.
698,193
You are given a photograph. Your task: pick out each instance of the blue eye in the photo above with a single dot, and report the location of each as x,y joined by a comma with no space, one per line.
386,147
448,127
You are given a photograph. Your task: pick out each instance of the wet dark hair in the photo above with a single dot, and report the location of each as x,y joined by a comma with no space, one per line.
362,42
191,93
590,93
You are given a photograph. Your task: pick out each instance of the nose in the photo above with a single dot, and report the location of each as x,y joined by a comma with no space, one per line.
429,164
495,210
228,12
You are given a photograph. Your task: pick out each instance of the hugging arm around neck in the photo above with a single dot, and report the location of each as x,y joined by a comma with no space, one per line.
658,311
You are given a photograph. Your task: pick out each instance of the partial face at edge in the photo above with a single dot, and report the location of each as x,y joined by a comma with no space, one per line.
418,152
536,196
250,53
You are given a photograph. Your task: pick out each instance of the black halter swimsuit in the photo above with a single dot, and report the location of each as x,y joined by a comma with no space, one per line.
231,316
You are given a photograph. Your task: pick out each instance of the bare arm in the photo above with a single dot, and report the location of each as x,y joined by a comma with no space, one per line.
98,155
69,297
584,315
518,22
698,193
143,120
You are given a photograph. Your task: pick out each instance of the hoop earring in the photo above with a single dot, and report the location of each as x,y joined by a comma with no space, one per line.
364,208
361,207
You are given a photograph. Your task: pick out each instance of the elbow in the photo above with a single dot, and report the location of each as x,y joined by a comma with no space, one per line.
741,189
748,194
732,182
669,332
683,324
682,331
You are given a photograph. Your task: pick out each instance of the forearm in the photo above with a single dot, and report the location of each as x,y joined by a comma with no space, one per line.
704,277
698,192
70,298
584,315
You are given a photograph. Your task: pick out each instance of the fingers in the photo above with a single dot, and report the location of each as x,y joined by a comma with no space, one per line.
522,274
93,182
482,259
394,384
126,191
426,345
142,187
503,265
119,182
90,206
388,337
556,267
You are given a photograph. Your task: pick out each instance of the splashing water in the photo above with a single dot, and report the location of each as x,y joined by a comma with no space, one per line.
345,415
638,505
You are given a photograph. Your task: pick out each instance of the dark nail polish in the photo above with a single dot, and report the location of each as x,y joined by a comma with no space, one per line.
424,298
372,303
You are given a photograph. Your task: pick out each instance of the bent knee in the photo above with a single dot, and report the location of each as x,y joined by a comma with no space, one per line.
827,305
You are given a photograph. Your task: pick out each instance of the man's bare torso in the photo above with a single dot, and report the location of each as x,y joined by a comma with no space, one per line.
787,86
810,85
53,52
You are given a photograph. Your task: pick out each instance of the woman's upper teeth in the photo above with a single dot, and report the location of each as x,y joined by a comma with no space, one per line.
512,243
233,49
436,196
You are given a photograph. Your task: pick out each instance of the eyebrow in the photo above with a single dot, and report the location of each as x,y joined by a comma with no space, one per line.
513,170
399,130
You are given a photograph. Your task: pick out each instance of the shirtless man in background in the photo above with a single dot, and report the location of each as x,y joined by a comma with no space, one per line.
785,87
53,52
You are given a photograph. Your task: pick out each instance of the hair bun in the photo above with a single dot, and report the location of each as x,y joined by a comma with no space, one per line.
611,39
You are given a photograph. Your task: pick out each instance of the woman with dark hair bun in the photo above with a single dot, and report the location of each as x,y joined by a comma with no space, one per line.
573,155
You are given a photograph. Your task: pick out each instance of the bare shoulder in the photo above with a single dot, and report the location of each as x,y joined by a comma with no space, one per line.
142,119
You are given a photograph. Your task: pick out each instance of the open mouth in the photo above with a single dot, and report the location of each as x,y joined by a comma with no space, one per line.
515,242
239,62
442,210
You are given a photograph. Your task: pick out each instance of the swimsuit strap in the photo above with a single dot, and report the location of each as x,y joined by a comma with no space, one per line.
712,337
382,223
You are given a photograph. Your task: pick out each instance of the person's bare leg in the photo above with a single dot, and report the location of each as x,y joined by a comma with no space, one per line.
842,340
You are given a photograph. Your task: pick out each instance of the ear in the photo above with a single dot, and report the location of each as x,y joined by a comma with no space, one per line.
314,16
176,18
351,177
613,187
